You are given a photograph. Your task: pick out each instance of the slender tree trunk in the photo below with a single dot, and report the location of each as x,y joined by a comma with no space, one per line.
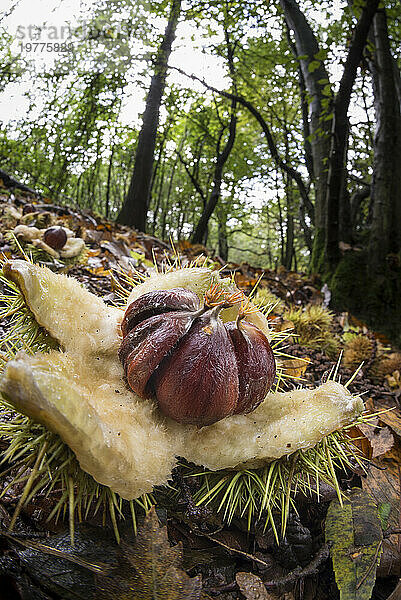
166,203
296,175
289,238
159,196
135,207
222,235
280,218
108,182
316,81
200,230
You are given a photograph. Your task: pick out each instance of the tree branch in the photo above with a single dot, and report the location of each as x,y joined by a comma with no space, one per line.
269,138
193,179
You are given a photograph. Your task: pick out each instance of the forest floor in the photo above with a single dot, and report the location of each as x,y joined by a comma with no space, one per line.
232,561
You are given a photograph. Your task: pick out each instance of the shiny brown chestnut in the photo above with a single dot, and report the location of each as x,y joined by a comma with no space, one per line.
198,369
55,237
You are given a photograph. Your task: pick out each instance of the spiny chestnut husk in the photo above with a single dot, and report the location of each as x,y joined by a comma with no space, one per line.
55,237
198,369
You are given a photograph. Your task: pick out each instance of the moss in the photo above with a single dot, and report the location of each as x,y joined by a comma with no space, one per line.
318,259
372,295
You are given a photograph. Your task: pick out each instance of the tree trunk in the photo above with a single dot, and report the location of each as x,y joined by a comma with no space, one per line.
385,235
337,200
108,182
222,236
159,196
329,143
368,282
135,208
200,230
316,81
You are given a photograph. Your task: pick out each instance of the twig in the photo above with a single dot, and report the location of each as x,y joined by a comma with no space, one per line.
311,569
240,552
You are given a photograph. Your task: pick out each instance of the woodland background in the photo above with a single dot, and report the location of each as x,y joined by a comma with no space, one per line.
291,159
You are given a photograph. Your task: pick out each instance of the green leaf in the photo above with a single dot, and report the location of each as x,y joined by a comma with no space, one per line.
384,510
327,90
313,65
355,535
321,54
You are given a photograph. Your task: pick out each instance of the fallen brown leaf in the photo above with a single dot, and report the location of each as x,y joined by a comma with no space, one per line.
380,438
392,418
295,367
251,586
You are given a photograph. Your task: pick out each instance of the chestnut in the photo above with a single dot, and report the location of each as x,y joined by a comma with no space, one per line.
28,208
197,368
55,237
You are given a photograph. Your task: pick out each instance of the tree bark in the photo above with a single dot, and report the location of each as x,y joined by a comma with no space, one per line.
329,142
107,209
336,186
368,282
385,235
222,235
135,208
222,156
316,81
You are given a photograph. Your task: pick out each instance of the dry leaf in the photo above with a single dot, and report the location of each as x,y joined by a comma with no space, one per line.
392,418
295,367
150,569
380,438
360,441
394,380
251,586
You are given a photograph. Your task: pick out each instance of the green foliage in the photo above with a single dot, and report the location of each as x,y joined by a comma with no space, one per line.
77,138
353,529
